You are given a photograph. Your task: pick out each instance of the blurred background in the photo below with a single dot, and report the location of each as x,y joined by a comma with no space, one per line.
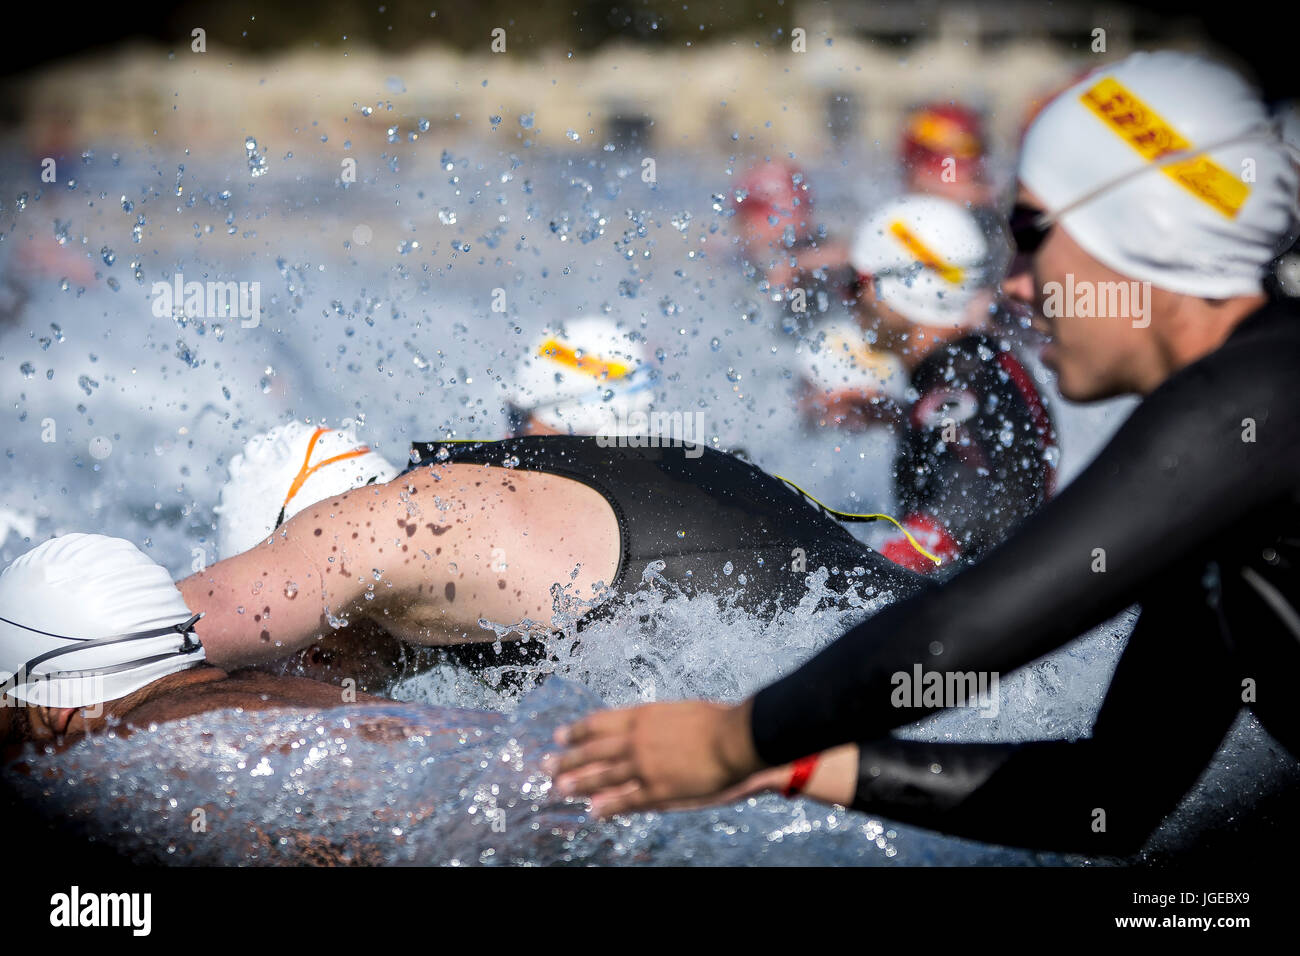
705,77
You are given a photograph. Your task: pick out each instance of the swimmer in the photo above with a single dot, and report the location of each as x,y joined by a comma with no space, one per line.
475,531
1190,510
783,247
944,152
96,639
976,443
587,377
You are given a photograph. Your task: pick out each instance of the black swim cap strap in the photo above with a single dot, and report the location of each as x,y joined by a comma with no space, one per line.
189,645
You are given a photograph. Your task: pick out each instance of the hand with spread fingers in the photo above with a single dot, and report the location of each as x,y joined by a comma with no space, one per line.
656,757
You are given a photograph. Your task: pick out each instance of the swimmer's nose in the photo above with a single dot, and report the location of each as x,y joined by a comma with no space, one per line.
1019,282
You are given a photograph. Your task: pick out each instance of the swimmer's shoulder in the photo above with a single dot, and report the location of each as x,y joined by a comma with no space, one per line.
244,689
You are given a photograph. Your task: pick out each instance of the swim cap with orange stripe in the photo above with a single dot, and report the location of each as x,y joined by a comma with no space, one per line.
281,472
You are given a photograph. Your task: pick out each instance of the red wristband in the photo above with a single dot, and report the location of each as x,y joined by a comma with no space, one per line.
800,774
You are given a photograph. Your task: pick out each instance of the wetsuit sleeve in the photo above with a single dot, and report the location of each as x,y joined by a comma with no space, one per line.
1173,697
1177,473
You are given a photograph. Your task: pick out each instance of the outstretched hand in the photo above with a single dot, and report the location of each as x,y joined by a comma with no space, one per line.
656,757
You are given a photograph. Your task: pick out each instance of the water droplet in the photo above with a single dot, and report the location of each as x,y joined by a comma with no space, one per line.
257,165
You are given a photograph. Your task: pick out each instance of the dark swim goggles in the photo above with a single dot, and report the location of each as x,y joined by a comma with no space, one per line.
1029,227
23,676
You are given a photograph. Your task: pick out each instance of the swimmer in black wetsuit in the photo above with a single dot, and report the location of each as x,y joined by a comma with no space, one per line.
975,440
1192,510
977,455
478,531
692,518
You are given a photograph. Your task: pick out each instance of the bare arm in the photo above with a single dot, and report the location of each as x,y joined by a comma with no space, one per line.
262,604
426,556
314,573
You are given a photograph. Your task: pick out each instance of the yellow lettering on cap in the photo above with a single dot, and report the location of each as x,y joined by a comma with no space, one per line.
1143,129
592,365
923,253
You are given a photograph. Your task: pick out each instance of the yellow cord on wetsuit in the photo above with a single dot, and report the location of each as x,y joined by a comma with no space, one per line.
848,516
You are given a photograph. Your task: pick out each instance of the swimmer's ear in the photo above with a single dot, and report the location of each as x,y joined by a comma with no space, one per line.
52,720
60,717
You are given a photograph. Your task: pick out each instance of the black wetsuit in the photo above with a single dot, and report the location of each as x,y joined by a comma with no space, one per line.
977,450
717,523
1194,520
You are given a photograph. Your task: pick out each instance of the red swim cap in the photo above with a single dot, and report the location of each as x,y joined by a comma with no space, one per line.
773,187
937,131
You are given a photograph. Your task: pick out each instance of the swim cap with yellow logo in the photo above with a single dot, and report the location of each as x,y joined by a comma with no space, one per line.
1166,168
927,256
584,378
844,362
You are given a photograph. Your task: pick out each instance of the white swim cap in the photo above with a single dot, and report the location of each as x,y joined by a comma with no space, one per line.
282,471
63,602
1205,225
584,379
844,361
928,257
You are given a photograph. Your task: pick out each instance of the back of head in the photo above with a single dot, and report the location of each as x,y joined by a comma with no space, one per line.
939,132
282,471
76,589
1206,224
840,360
585,378
928,257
